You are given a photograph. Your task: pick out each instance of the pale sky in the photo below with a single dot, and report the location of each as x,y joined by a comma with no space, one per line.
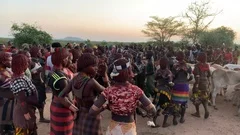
110,20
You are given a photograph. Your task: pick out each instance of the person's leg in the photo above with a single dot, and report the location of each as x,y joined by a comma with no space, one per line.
165,124
182,113
206,115
197,114
41,113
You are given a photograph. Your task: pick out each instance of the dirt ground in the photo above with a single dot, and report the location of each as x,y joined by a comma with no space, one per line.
221,122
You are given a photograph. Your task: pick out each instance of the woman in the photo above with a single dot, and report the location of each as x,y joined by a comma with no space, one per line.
25,93
85,89
162,99
7,101
61,116
180,92
37,73
200,88
123,98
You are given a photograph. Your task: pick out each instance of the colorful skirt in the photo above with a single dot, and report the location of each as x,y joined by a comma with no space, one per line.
180,93
199,97
120,128
162,99
61,119
6,112
86,124
21,131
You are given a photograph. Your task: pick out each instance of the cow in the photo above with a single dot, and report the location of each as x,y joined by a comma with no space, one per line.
222,78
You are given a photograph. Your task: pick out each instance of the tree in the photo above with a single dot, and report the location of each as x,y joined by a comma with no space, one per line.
162,29
216,37
31,34
199,16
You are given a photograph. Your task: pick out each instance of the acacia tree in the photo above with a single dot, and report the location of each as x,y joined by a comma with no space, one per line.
218,36
199,16
31,34
162,29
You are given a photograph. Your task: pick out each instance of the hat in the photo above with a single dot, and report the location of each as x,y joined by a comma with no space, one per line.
117,68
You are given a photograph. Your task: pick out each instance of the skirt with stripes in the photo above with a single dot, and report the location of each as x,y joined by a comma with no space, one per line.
86,124
6,112
180,93
61,119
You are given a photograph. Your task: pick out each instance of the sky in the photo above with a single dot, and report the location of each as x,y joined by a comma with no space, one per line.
109,20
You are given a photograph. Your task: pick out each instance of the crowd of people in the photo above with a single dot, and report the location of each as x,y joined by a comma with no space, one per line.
84,81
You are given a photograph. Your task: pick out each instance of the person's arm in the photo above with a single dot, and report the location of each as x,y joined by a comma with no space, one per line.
67,87
196,73
22,99
106,80
63,84
97,107
6,93
98,88
147,105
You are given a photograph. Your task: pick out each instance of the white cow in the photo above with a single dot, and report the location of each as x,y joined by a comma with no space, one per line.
221,78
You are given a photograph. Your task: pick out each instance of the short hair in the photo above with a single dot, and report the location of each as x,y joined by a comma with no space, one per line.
18,68
85,60
76,54
34,51
59,55
180,56
4,56
202,57
56,45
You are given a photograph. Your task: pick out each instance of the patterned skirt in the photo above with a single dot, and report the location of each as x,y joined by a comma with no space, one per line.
180,93
199,97
6,112
86,124
120,128
21,131
61,119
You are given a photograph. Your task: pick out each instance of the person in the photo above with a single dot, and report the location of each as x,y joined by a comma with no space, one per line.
2,47
123,98
7,102
162,98
180,93
61,115
149,74
228,57
29,58
102,76
218,57
67,70
37,73
235,55
200,88
140,77
49,64
85,89
25,93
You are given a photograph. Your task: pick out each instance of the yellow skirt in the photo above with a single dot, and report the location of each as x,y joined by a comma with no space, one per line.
121,128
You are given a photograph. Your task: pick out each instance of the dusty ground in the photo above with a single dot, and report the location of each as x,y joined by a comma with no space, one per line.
221,122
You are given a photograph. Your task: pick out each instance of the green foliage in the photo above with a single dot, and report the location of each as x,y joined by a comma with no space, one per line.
199,16
26,33
218,36
4,40
162,29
